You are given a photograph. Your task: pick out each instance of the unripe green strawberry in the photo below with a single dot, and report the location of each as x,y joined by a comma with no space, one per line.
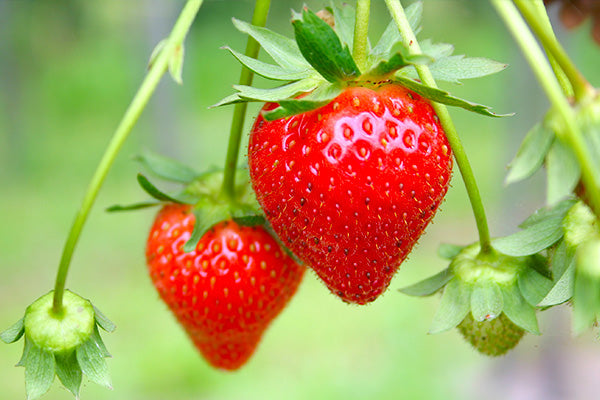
492,337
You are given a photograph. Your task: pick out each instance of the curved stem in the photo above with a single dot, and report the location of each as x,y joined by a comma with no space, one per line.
538,63
261,10
361,33
131,116
410,41
581,86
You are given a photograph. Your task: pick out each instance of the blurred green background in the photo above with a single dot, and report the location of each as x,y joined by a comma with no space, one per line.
68,69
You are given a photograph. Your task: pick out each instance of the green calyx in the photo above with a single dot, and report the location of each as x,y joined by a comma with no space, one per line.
67,345
203,191
580,225
318,63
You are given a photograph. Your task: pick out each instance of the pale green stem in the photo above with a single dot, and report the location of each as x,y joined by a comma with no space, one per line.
133,112
261,11
361,34
538,63
410,41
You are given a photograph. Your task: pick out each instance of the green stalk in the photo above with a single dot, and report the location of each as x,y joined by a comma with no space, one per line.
361,33
133,112
572,135
410,41
530,11
261,10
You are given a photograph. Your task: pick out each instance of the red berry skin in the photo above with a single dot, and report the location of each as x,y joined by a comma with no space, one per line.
351,186
226,292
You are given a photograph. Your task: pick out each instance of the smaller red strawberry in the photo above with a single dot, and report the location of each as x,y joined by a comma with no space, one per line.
227,291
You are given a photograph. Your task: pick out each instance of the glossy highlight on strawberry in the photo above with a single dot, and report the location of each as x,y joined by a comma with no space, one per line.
226,292
351,186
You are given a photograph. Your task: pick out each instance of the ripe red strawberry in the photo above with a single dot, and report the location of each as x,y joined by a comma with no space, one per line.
226,292
350,187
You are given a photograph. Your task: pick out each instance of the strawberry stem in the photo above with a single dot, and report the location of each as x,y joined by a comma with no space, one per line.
361,33
572,135
132,114
533,15
410,41
261,10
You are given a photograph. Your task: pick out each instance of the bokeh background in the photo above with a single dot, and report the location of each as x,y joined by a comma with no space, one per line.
68,69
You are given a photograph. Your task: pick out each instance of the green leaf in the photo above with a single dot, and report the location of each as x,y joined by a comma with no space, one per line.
322,48
449,251
534,286
455,68
443,97
277,94
430,285
13,333
531,154
176,63
39,372
99,342
562,172
270,71
166,168
284,51
92,363
207,215
519,311
69,372
562,290
103,321
486,301
344,17
586,302
318,98
157,193
454,307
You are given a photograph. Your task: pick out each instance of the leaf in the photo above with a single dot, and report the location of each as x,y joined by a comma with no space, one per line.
562,172
322,48
103,321
318,98
430,285
92,363
454,307
13,333
166,168
449,251
531,154
277,94
270,71
39,372
540,232
69,372
455,68
519,311
534,286
284,51
207,215
176,63
562,290
443,97
486,301
155,192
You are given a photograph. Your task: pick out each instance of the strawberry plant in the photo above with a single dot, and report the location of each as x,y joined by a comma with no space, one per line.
350,157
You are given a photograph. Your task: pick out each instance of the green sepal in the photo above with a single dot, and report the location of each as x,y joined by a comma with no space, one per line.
562,172
14,333
132,207
249,220
91,360
159,194
283,50
166,168
69,372
580,225
441,96
249,93
429,285
518,310
322,48
392,35
531,154
453,308
487,301
318,98
436,50
207,215
398,60
449,251
269,71
586,292
539,232
562,291
344,16
176,63
40,367
533,286
103,321
156,51
99,342
26,348
453,69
